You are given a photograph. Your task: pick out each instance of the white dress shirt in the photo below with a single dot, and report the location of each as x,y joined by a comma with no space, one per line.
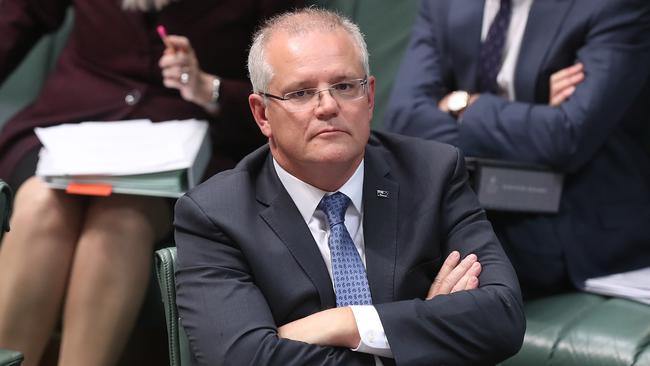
518,20
306,198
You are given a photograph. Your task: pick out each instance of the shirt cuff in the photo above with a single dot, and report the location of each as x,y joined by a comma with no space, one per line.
371,331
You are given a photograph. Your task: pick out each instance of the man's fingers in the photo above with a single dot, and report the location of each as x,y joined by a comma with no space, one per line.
472,283
469,281
443,104
475,269
448,283
563,83
562,96
567,71
564,89
461,284
450,263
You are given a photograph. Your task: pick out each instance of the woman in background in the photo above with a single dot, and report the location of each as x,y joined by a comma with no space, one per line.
90,257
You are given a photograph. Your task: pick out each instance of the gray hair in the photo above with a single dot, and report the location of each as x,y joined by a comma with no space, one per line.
298,22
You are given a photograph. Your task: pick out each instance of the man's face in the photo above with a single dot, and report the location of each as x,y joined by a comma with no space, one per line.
333,131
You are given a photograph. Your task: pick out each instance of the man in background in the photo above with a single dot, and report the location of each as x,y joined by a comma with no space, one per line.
559,83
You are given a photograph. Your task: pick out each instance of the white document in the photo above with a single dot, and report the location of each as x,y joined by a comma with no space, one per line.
119,148
634,285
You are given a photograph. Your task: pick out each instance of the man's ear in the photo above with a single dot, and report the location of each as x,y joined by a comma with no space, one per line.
258,108
371,94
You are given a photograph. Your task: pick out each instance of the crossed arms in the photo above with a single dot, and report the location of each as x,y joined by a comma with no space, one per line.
337,326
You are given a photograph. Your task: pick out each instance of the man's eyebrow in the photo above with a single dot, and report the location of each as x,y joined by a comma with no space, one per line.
298,85
312,83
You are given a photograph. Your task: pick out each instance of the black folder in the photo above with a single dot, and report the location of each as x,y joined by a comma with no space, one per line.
514,186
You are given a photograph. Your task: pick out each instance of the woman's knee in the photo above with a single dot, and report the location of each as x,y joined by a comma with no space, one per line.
41,207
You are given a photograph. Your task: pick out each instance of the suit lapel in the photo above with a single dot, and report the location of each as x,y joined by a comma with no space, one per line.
544,22
282,215
379,225
464,37
379,228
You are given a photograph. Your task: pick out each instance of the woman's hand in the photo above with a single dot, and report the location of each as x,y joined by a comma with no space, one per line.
181,70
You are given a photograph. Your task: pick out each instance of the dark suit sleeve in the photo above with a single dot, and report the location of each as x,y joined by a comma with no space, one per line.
477,327
225,315
420,85
22,23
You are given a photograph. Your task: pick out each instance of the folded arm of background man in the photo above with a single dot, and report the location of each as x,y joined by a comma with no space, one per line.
233,322
609,37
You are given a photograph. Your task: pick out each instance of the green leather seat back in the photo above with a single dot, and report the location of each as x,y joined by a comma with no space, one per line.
546,321
386,25
179,349
24,84
610,334
10,358
644,358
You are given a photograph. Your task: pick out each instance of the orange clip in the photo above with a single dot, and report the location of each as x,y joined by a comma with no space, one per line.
96,189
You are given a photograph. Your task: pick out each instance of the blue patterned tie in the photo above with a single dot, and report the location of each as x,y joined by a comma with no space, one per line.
491,53
350,281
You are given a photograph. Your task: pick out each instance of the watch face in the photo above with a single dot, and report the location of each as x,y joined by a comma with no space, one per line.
458,101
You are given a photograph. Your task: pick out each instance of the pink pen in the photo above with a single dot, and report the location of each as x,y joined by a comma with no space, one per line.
162,32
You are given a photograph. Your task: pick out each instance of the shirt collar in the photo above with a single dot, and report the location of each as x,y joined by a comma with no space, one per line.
307,197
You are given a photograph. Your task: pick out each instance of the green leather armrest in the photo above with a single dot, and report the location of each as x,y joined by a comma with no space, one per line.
5,207
581,329
179,349
10,358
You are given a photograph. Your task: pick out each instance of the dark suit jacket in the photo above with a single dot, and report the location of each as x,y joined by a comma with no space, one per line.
594,137
247,263
112,53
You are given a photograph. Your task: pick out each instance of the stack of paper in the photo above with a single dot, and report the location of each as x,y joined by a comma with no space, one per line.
133,157
633,285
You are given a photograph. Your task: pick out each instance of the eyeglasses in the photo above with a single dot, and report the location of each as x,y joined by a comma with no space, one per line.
304,99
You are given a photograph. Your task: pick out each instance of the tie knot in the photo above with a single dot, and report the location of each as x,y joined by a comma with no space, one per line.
334,207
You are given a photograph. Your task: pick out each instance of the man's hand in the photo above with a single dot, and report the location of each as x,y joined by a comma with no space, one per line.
563,83
334,327
454,276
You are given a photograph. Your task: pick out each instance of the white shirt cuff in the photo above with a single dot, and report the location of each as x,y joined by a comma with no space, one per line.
371,331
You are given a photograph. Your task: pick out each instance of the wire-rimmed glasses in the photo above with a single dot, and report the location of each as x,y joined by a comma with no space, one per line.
303,99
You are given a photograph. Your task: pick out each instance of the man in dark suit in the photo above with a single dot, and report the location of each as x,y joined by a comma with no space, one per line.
322,247
570,91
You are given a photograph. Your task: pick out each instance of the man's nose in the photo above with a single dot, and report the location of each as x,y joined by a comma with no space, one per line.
327,105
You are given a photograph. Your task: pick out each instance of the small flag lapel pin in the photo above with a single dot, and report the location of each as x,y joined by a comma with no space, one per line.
383,194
